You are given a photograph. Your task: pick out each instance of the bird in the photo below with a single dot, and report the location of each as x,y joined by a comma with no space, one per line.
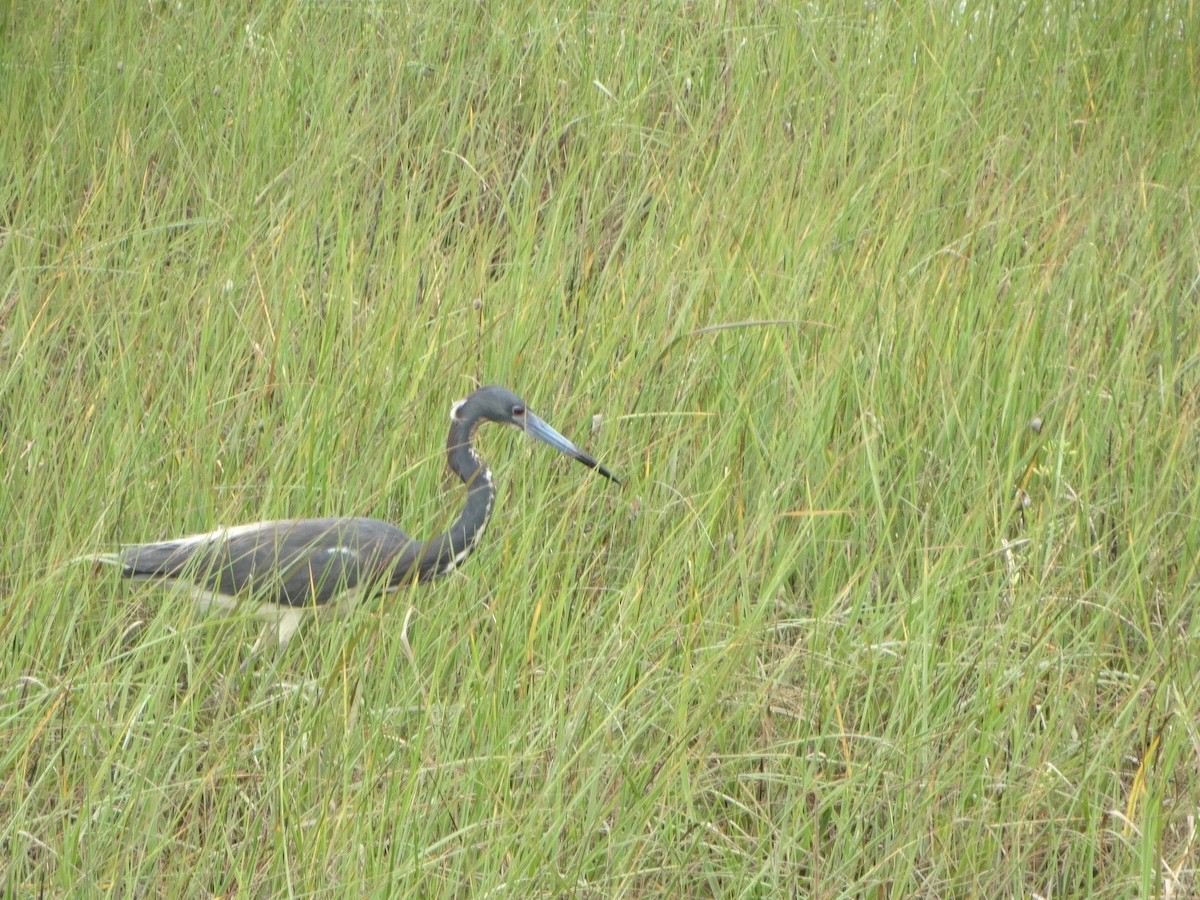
290,567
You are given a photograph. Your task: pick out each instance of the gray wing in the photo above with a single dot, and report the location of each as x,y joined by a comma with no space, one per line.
293,562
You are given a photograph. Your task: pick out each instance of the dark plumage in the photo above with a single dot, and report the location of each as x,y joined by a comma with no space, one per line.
291,566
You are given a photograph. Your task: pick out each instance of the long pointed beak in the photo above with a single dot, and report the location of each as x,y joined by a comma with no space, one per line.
539,430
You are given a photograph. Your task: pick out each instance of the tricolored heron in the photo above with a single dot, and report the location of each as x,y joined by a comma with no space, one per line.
289,567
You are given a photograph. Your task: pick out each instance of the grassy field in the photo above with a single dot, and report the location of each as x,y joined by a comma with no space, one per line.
886,314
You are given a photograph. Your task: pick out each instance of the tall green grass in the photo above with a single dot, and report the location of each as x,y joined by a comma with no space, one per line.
851,626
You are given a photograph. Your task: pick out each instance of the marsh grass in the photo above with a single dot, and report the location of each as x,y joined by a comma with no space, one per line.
851,626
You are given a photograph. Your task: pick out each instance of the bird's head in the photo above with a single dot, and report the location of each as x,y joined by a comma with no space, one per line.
498,404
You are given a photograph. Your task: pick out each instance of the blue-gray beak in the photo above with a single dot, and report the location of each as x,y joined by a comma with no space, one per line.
539,430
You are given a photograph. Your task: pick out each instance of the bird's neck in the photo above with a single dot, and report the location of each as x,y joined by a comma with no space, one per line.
444,553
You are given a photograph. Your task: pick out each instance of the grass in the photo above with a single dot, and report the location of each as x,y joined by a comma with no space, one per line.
851,627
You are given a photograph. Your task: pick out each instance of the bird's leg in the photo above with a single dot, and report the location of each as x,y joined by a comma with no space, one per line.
248,662
267,629
279,631
289,622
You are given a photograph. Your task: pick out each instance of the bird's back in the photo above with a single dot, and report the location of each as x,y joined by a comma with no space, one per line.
290,562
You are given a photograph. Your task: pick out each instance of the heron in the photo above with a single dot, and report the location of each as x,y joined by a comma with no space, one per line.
290,567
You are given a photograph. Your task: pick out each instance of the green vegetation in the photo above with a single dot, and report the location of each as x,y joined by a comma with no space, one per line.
851,627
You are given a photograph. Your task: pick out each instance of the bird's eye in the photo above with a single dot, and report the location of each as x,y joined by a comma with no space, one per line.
518,411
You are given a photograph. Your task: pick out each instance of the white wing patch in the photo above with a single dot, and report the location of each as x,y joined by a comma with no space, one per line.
212,537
